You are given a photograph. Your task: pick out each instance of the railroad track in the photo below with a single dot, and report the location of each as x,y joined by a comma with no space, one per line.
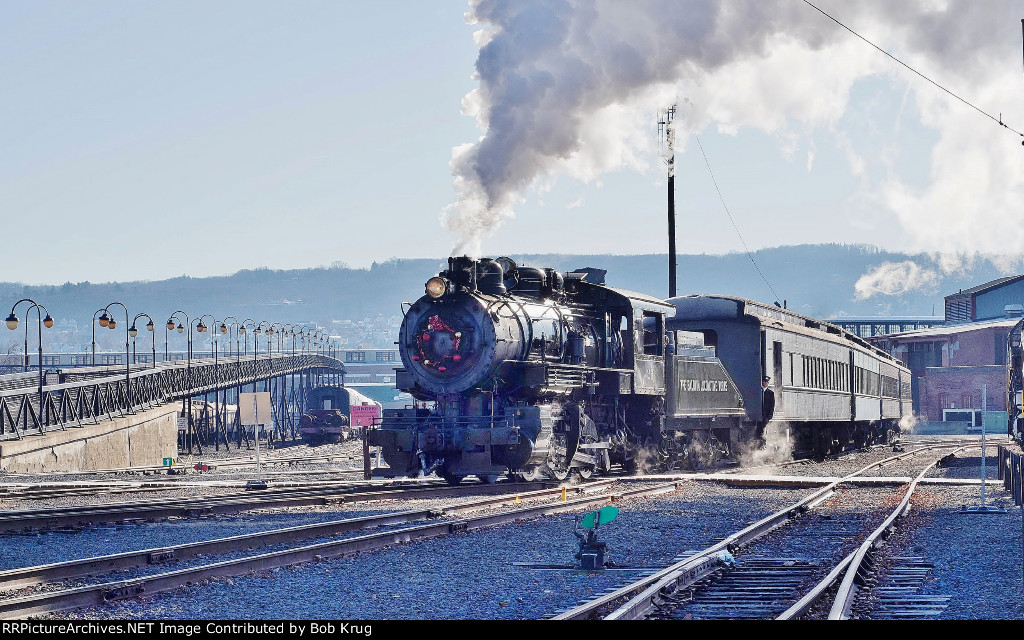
56,517
104,592
752,586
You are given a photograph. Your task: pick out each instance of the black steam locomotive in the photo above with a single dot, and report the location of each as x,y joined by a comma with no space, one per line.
533,373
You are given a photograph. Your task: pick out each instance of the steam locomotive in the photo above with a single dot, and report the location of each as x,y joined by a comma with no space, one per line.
534,373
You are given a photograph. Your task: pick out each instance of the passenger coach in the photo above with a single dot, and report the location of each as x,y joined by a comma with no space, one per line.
831,387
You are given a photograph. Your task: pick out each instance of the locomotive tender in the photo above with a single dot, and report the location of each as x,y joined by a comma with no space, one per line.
533,373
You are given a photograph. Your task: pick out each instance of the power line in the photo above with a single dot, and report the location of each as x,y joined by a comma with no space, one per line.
998,120
724,206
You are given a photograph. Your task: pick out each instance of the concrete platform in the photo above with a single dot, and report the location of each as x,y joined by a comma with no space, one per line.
145,438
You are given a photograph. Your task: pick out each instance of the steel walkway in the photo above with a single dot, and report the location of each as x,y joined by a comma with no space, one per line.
82,396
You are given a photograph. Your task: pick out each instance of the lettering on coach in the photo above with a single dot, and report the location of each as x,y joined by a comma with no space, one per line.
710,386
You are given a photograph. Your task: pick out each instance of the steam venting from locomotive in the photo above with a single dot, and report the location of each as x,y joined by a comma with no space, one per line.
570,87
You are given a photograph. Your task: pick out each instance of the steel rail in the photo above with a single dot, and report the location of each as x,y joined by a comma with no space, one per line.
848,587
642,596
851,563
233,503
98,594
22,576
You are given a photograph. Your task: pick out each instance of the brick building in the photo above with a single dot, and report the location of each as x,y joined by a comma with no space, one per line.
950,363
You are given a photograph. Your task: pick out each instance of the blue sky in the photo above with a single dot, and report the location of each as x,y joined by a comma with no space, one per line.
151,140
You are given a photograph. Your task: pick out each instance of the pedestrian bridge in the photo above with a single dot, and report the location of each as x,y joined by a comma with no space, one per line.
32,404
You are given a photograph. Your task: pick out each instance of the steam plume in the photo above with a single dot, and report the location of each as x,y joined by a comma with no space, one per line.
570,87
896,278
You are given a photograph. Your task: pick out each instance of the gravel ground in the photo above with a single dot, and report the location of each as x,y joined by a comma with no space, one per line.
976,557
474,575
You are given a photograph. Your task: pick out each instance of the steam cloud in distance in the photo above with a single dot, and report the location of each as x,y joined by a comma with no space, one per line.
569,87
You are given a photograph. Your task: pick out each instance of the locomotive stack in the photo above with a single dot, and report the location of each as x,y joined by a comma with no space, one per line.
532,372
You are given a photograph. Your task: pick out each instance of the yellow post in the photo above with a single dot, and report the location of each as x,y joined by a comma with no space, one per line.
517,499
563,494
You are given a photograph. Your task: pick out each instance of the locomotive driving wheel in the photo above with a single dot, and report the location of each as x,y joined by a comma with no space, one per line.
559,474
563,447
583,473
528,474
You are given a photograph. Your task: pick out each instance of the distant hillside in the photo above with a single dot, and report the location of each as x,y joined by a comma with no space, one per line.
817,280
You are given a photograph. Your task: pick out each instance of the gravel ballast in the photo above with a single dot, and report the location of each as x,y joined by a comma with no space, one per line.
474,575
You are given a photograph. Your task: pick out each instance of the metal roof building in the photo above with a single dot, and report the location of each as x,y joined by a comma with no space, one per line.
1000,298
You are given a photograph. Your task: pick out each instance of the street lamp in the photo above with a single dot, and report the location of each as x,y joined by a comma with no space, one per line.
12,324
150,326
242,329
103,324
234,330
112,324
202,328
186,399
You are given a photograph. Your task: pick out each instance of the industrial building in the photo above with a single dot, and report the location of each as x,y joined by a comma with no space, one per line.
951,363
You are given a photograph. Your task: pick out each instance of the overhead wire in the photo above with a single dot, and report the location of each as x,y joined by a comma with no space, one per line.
729,214
998,120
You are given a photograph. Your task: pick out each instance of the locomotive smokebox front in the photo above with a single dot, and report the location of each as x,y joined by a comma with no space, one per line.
453,338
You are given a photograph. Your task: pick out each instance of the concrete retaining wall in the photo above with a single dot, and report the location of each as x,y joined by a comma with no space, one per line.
137,440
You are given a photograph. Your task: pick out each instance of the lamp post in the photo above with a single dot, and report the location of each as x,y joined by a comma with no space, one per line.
235,326
256,348
150,326
285,415
12,324
171,327
201,328
244,325
186,401
112,324
94,334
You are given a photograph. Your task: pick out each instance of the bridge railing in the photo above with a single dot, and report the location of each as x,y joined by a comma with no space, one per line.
105,393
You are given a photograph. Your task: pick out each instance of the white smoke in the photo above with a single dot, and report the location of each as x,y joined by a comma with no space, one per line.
570,87
777,447
896,278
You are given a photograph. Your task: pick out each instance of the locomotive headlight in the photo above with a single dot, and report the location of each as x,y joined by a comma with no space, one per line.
436,287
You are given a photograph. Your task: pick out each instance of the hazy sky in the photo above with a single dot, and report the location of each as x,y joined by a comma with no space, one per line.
143,140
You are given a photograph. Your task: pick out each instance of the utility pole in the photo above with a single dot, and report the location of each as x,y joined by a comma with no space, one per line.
666,135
